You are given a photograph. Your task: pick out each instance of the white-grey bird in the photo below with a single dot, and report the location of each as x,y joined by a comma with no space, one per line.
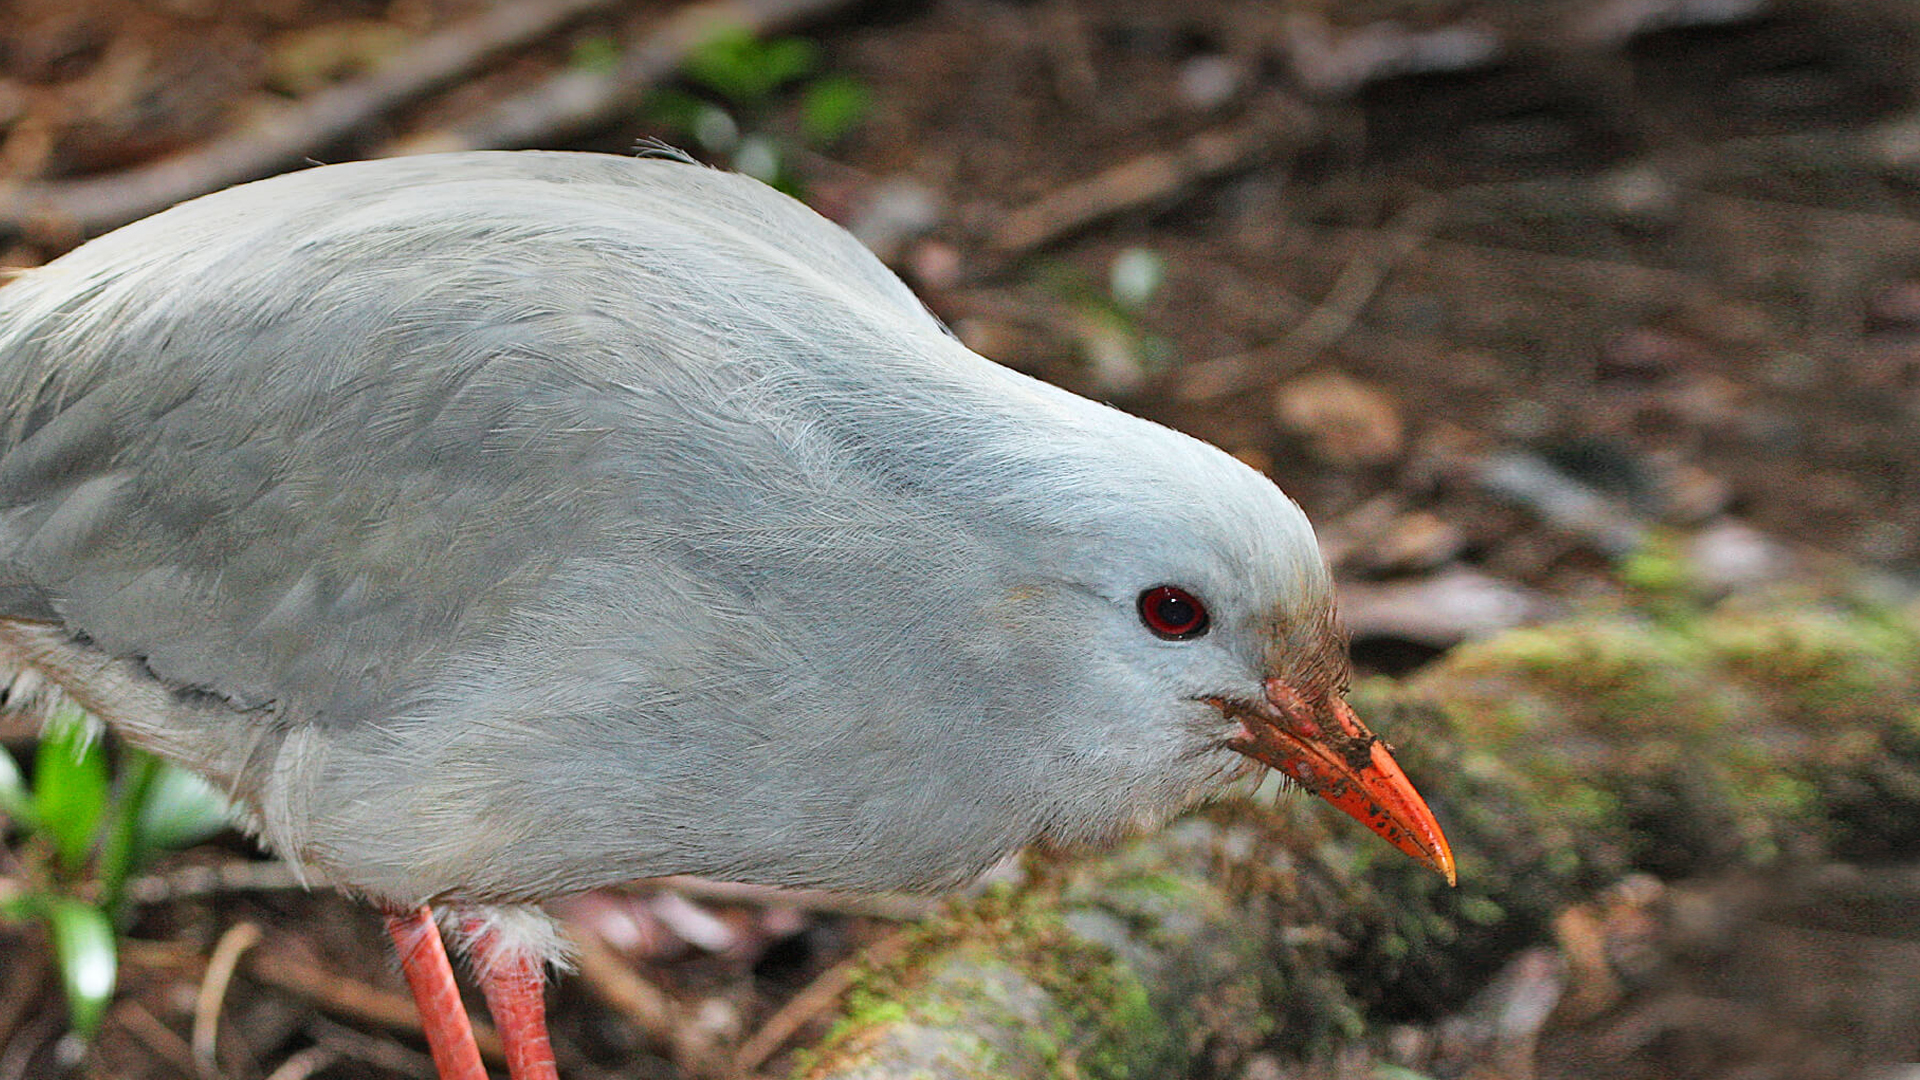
499,525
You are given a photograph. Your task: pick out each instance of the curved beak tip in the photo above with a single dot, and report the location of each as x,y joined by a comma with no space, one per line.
1381,797
1439,855
1399,814
1323,746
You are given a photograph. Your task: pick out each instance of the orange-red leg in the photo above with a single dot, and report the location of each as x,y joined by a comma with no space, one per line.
514,980
423,956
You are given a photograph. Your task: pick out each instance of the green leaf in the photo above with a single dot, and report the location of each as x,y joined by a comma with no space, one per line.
672,109
723,64
119,848
70,786
83,944
788,59
833,106
15,800
745,70
181,810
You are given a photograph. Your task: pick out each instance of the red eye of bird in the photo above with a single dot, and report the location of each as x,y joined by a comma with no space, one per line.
1174,614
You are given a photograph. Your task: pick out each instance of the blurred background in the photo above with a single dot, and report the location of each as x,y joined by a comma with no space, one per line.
1536,306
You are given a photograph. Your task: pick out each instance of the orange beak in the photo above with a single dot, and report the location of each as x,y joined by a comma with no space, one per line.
1320,743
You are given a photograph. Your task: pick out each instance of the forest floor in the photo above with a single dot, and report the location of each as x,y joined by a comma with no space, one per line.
1528,302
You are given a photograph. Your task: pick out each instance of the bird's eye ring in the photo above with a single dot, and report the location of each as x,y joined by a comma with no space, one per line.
1173,613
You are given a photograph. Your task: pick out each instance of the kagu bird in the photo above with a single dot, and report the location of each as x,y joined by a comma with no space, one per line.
498,525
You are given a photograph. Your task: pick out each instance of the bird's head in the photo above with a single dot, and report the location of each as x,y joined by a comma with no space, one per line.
1132,614
1216,620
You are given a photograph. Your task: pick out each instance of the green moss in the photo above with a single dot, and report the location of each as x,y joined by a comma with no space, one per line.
1481,910
1047,1043
1108,1026
1659,569
864,1011
1609,678
1160,884
1820,661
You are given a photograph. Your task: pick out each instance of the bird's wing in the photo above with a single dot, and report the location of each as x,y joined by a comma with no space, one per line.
294,443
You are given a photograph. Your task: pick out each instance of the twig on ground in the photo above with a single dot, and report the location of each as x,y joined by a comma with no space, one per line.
18,1052
156,1036
1611,278
354,1000
1381,250
815,998
1379,253
896,907
607,975
1620,280
23,989
68,210
305,1063
213,993
644,1006
1799,215
374,1050
235,875
574,99
1075,79
1564,502
1150,179
1362,277
178,959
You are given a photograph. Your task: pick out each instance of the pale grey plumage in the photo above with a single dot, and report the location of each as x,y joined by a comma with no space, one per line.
502,524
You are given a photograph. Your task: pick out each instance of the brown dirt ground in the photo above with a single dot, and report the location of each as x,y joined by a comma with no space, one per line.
1678,265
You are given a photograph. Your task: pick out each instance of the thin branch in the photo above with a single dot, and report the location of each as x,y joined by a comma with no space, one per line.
894,907
147,1029
213,993
372,1049
65,209
235,875
815,998
1362,277
1150,179
354,1000
658,1017
304,1063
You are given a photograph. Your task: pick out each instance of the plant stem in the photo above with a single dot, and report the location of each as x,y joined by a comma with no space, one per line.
117,854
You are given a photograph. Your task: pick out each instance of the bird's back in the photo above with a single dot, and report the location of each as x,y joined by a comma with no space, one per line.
201,413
